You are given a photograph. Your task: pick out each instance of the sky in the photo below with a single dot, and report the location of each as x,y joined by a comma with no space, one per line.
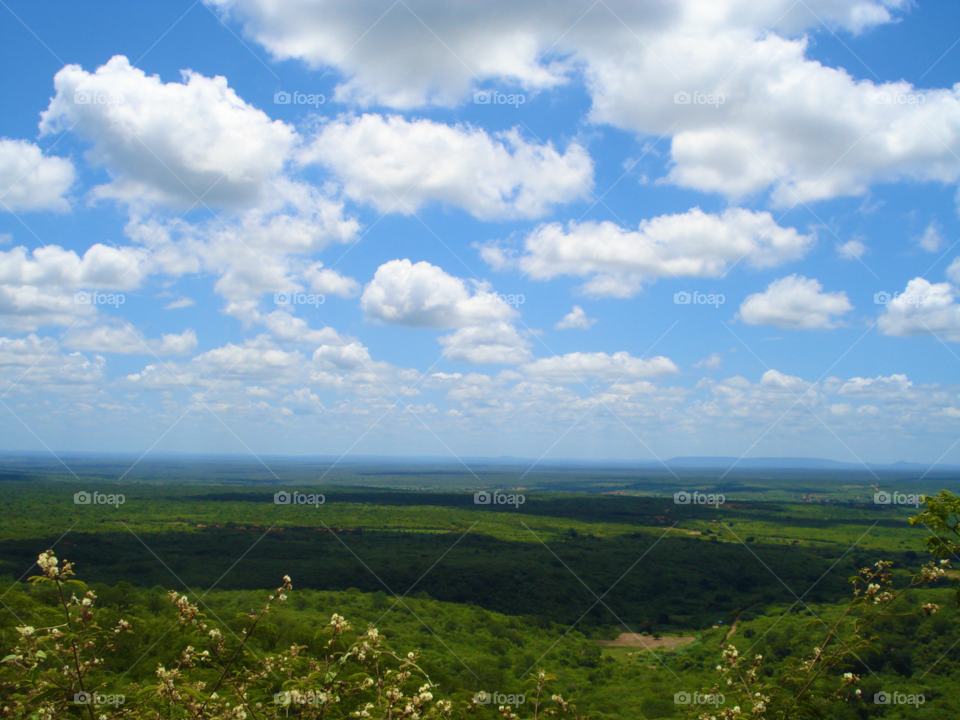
565,229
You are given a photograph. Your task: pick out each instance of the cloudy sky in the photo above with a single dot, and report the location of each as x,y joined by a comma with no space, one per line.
555,229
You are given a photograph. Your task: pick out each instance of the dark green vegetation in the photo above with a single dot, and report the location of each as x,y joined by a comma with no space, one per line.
490,592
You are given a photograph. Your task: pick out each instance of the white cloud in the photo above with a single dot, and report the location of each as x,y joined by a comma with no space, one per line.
101,267
953,272
169,142
36,363
635,57
330,282
421,53
251,252
600,366
399,165
710,363
127,341
576,319
38,288
932,239
851,250
795,302
31,181
924,308
289,328
180,304
493,343
303,402
691,244
423,295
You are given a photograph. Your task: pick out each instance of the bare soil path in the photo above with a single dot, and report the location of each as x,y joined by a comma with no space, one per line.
667,642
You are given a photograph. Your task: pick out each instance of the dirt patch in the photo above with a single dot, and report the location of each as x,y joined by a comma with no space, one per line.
668,642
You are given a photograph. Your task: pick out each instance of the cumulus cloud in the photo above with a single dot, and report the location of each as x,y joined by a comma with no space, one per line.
710,363
31,181
924,308
797,303
38,288
398,165
576,319
953,272
127,341
180,304
932,239
635,58
32,362
598,366
170,143
330,282
851,250
490,344
401,61
691,244
253,252
423,295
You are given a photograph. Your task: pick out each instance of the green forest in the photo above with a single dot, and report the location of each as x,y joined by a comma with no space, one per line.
206,599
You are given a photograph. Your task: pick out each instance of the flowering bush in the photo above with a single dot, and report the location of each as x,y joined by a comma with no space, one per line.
808,683
56,672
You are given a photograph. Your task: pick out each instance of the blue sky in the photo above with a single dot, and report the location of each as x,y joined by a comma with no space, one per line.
827,174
